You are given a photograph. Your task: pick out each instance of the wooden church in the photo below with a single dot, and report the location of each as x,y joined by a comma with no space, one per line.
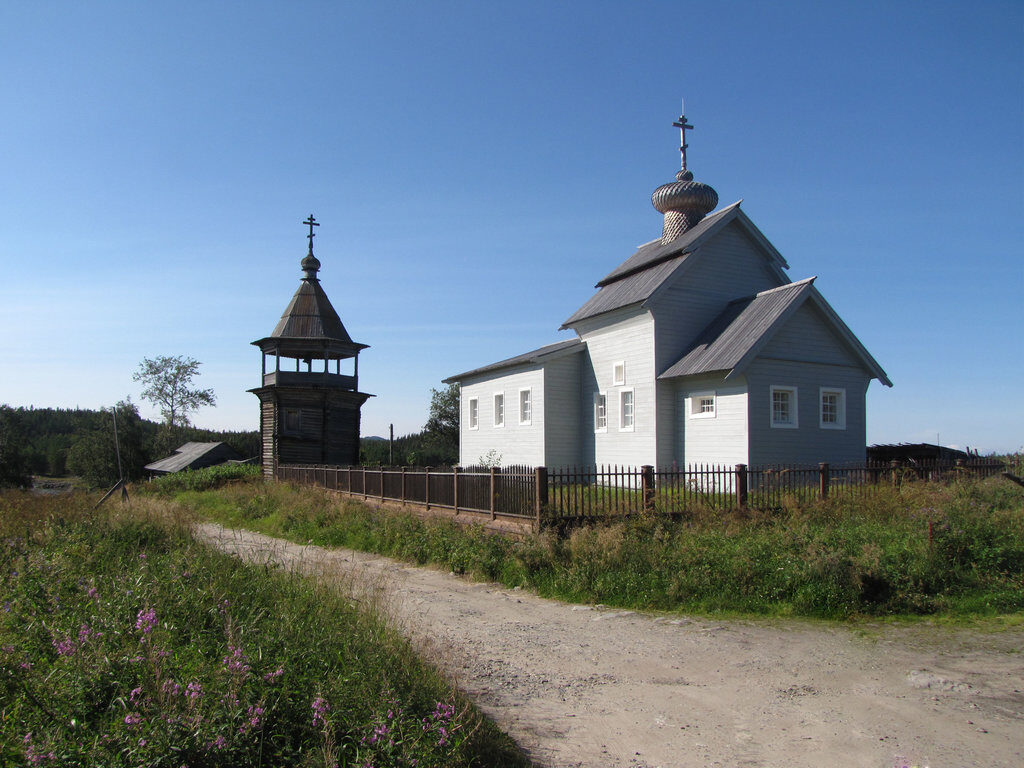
309,399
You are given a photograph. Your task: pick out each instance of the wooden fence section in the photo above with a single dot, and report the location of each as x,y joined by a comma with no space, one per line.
593,493
504,492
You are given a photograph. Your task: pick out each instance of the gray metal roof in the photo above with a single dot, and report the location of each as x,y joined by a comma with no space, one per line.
635,288
535,356
741,325
735,337
194,456
652,253
638,277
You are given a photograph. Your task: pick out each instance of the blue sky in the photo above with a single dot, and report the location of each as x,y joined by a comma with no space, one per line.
478,166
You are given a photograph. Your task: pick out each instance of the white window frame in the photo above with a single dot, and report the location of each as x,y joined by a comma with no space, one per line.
694,407
474,413
623,426
619,373
600,403
499,409
794,422
528,418
840,393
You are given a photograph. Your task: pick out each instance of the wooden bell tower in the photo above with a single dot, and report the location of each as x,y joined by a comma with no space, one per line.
309,397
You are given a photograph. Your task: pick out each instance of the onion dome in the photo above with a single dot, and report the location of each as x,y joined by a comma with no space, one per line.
683,201
311,265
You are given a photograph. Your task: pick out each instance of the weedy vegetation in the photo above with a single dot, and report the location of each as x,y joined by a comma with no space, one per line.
124,642
952,550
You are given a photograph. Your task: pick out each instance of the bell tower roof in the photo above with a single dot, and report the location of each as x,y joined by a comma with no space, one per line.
310,326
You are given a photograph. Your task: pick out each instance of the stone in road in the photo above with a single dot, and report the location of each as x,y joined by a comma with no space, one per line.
582,686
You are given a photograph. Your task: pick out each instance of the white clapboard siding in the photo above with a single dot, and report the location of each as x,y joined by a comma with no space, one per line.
515,443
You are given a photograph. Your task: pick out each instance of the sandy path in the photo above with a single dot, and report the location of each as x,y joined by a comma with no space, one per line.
579,686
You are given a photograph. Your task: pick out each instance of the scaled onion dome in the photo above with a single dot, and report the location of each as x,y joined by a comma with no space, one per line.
684,203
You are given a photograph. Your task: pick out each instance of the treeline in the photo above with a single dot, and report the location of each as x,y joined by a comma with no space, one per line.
79,441
423,449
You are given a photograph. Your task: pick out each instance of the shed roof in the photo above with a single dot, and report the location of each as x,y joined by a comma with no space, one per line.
637,278
194,456
733,339
549,352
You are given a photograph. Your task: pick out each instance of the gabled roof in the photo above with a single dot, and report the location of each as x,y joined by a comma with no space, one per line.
733,339
194,456
638,277
549,352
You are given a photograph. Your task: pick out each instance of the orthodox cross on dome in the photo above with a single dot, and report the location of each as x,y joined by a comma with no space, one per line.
683,127
312,223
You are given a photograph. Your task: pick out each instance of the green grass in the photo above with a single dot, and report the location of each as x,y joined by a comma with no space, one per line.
123,642
836,559
202,479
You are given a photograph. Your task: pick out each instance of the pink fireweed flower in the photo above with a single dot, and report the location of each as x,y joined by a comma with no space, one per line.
320,710
86,633
146,621
65,646
235,661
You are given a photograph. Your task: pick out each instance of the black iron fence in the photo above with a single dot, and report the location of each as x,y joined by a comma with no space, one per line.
590,493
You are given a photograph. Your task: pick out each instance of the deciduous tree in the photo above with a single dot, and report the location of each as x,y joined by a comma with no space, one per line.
168,382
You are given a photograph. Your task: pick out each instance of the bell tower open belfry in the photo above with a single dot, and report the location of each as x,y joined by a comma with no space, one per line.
309,413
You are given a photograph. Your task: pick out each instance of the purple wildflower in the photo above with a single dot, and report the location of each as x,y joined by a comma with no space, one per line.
235,660
320,710
146,621
170,688
219,743
92,592
132,718
135,696
272,676
86,633
194,691
65,647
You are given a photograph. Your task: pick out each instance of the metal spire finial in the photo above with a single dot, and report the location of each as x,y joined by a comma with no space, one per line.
312,223
683,127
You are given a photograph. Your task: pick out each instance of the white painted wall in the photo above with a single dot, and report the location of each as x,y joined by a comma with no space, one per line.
626,336
517,443
720,439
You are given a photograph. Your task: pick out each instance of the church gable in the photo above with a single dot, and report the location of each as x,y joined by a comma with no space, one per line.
807,337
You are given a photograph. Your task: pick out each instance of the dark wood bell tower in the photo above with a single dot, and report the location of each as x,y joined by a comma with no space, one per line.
309,397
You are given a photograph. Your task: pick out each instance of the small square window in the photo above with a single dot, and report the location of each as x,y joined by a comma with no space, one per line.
626,415
702,405
525,406
600,412
474,413
833,408
784,407
619,374
292,421
499,409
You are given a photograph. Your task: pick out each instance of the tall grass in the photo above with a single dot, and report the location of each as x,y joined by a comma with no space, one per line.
923,549
124,642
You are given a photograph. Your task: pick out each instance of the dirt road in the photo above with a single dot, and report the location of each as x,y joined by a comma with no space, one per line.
581,686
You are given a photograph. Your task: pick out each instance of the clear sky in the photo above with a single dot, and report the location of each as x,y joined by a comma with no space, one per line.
478,166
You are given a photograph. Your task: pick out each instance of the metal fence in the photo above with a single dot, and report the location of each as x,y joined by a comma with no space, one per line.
594,493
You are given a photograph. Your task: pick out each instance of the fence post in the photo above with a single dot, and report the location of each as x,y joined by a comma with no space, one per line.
403,485
494,493
647,486
455,489
364,483
540,499
894,469
741,485
823,479
426,487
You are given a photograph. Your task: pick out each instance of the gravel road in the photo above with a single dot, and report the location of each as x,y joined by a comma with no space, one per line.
592,686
